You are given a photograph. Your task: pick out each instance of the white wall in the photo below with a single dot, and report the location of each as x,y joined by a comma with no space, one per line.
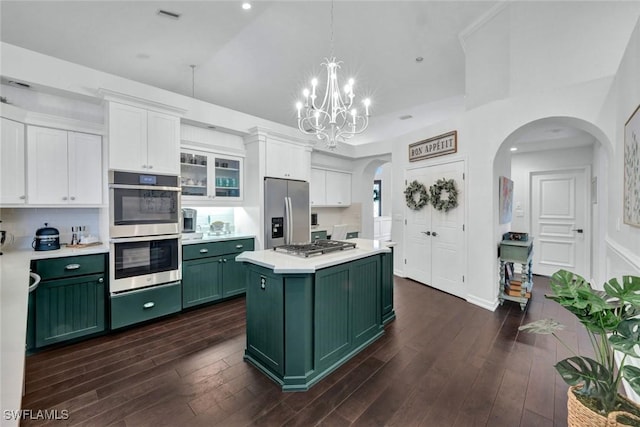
521,48
623,240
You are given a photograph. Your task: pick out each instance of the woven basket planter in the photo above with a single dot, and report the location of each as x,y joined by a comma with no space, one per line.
581,416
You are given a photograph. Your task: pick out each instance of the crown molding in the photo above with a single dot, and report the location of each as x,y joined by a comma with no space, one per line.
47,120
480,22
111,95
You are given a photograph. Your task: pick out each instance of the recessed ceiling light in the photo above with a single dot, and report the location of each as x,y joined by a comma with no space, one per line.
406,117
419,59
246,5
168,14
514,148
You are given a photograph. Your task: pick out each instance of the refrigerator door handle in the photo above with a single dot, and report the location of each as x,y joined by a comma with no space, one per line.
288,226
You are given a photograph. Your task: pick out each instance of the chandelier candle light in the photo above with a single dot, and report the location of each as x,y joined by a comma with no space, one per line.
334,120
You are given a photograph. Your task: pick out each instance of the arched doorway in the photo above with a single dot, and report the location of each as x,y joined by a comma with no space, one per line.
558,168
363,193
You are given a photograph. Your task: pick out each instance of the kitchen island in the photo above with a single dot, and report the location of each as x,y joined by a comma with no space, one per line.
308,316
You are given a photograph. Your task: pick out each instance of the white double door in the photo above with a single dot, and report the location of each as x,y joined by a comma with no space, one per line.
434,240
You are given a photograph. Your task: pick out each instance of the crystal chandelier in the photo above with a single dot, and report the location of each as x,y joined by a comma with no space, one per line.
334,119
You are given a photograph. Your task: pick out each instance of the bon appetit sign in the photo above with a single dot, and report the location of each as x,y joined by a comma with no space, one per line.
434,147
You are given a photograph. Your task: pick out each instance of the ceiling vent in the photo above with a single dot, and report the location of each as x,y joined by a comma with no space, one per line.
406,117
168,14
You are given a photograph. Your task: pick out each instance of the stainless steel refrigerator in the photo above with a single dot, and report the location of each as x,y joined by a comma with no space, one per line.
286,212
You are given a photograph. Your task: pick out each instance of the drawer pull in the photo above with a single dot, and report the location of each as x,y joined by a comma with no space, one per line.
72,267
204,251
239,246
147,305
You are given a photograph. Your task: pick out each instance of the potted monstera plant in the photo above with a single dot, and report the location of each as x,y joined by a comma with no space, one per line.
612,320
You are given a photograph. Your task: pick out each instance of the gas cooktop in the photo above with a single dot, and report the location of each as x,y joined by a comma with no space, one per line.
317,247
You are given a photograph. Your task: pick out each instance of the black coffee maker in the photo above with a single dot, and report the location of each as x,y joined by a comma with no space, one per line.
47,239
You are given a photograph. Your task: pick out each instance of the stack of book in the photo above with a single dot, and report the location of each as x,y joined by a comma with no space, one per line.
513,286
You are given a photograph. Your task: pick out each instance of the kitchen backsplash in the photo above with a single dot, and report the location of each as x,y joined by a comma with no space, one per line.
207,215
23,222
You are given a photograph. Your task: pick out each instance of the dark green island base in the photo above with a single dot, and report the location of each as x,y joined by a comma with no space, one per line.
302,325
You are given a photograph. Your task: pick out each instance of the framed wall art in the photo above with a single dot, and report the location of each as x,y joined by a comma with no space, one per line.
631,196
505,199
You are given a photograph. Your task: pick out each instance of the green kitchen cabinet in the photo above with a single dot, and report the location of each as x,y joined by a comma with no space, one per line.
388,313
210,273
129,308
319,234
303,326
265,324
352,235
200,282
70,301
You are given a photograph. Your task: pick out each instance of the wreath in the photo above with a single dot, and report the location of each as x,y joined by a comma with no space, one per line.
410,193
436,190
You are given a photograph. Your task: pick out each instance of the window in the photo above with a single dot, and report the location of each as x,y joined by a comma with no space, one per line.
377,198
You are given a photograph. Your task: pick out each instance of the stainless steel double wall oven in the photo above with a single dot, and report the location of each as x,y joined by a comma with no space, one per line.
144,229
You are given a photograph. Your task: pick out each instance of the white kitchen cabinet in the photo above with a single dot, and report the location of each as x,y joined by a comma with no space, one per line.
287,160
12,163
142,140
208,177
317,187
338,188
63,168
330,188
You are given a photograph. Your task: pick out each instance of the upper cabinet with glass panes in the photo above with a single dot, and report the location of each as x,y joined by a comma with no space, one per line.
210,176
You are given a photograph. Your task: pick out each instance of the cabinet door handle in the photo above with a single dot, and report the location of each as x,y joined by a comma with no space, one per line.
73,198
204,251
239,246
101,280
22,197
148,305
64,198
150,166
220,260
428,233
144,166
434,234
72,266
579,230
224,260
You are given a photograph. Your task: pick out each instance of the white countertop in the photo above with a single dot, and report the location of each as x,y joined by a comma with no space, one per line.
288,264
206,238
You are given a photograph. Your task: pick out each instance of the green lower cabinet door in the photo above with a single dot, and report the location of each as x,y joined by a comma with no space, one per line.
332,334
365,299
69,308
234,279
201,281
387,286
265,319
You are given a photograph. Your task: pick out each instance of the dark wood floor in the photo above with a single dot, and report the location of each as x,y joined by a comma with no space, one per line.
442,362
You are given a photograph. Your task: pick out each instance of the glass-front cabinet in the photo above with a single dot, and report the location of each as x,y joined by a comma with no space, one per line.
210,176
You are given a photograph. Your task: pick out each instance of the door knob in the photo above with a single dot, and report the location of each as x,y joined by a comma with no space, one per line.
579,230
434,234
428,233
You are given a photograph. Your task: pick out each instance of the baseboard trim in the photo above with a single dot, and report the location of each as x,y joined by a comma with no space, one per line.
481,302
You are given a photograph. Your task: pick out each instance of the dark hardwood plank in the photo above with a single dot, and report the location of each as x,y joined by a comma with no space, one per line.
442,362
